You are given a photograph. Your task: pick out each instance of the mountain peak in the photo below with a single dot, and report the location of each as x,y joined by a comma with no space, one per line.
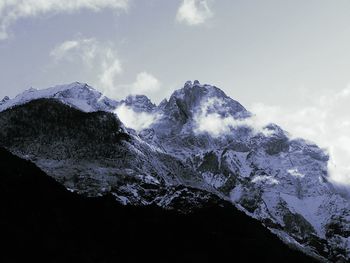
199,90
190,84
191,97
180,112
139,103
76,94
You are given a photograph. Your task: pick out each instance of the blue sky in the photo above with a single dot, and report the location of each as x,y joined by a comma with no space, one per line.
288,61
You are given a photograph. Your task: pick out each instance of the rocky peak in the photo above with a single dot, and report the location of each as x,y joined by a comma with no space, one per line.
191,99
139,103
179,113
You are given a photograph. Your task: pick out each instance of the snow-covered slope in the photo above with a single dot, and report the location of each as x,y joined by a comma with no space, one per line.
78,95
280,181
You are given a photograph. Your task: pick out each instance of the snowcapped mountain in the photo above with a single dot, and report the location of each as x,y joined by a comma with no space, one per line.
201,139
78,95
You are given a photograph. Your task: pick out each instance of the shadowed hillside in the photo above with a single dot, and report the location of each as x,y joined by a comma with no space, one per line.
42,221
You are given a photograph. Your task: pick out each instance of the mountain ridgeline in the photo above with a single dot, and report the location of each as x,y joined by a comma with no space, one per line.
217,195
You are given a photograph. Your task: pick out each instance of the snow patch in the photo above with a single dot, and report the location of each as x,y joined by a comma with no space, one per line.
294,172
265,179
309,208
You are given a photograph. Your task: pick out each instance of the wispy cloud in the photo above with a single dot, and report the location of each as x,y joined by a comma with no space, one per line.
99,59
135,120
110,68
194,12
13,10
86,49
324,120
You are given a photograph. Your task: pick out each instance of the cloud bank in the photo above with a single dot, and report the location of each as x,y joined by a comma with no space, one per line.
324,120
13,10
194,12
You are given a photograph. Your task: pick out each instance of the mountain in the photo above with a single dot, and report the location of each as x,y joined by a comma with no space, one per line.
202,143
91,153
139,103
77,95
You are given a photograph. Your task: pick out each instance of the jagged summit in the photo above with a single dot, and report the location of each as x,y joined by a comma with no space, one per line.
139,103
197,87
192,96
178,114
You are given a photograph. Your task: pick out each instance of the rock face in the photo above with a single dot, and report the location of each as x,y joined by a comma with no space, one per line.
202,140
139,103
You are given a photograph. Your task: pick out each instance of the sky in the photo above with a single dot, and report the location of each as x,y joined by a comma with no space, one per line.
286,61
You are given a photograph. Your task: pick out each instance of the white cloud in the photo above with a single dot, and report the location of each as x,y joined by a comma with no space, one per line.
211,122
13,10
111,68
61,50
102,66
108,77
145,84
98,59
135,120
194,12
324,120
